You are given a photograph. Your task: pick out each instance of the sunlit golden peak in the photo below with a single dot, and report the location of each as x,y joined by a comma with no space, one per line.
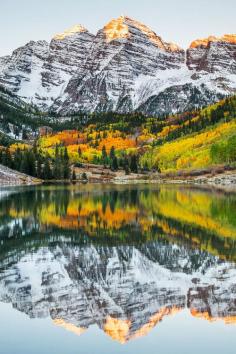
70,32
116,29
120,28
230,38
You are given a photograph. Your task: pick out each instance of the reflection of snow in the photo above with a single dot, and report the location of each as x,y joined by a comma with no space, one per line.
82,286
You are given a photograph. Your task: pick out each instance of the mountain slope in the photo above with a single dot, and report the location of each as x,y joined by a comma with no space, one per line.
122,51
206,147
17,118
126,67
39,72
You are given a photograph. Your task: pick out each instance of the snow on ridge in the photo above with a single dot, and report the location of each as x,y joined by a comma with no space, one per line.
78,71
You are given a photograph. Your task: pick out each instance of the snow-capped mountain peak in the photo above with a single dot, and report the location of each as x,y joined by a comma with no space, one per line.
116,29
228,38
125,27
70,32
125,67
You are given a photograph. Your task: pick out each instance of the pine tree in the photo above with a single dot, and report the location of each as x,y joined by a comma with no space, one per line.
126,166
74,176
57,165
24,134
39,168
17,159
47,170
7,159
66,165
24,162
114,165
112,153
134,164
104,155
31,163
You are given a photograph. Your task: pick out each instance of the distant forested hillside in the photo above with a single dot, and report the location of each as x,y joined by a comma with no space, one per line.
133,142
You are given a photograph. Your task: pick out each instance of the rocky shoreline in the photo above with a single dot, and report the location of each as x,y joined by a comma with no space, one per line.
98,174
9,177
212,177
223,181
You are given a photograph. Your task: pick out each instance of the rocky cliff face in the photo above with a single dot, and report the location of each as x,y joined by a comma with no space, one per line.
125,67
117,288
67,52
21,72
123,54
213,55
39,72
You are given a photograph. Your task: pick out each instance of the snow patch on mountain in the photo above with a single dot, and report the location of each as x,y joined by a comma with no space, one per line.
125,67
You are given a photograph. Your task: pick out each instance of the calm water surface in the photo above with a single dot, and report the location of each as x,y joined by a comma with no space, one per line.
117,269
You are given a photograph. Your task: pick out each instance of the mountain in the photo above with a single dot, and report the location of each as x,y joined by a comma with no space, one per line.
17,119
21,72
39,72
213,54
126,67
124,54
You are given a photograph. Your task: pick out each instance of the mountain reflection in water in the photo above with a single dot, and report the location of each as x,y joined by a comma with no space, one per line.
122,258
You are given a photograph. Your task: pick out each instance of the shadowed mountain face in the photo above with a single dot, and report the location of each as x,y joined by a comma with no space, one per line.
122,258
125,67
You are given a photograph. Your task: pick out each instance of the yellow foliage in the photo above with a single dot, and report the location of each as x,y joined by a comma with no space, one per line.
20,146
192,151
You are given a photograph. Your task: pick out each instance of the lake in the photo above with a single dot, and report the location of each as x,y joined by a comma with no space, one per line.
117,269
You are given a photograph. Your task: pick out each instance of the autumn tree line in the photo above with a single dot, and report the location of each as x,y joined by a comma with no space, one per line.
195,121
224,152
35,164
39,164
129,163
109,159
32,162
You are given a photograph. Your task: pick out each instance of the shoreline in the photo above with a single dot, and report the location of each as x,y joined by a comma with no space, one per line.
12,178
222,181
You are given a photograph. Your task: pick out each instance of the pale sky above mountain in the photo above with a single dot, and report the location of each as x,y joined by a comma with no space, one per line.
179,21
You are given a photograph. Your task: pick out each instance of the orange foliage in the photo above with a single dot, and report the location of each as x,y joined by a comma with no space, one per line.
118,142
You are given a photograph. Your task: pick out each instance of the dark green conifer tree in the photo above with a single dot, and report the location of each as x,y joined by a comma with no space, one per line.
134,164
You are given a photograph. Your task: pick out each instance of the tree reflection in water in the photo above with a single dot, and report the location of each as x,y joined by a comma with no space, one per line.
122,258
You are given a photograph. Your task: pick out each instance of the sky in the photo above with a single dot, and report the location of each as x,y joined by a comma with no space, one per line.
179,21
